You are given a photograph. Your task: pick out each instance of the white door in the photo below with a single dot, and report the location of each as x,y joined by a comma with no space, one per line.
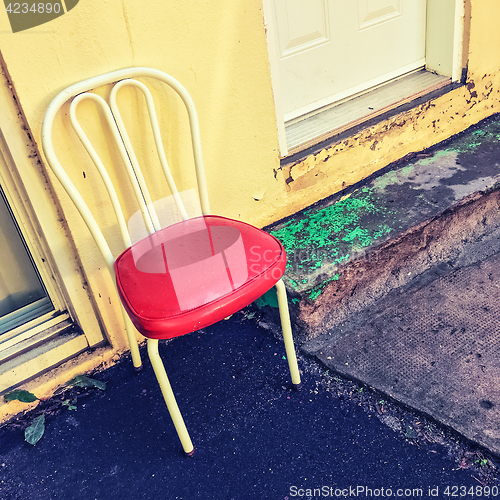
331,49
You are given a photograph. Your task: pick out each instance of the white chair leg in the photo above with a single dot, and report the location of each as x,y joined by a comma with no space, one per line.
132,341
287,334
166,390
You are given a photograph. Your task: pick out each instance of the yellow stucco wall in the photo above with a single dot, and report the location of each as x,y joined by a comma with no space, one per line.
219,54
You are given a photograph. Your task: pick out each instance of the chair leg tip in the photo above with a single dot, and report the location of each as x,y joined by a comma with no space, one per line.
298,386
189,453
138,368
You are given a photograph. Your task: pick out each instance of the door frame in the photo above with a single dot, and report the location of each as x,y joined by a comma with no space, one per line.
444,49
39,218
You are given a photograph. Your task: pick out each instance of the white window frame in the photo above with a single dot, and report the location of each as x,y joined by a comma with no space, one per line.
25,350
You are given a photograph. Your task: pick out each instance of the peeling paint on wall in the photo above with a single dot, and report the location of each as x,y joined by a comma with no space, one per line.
353,159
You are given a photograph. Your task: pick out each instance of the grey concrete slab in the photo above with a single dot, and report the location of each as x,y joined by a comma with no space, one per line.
396,284
434,346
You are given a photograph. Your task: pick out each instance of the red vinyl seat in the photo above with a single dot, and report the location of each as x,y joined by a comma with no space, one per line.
195,273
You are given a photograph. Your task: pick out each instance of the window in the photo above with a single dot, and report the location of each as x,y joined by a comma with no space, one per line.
23,296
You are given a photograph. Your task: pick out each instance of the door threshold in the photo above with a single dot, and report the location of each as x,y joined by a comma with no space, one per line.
320,125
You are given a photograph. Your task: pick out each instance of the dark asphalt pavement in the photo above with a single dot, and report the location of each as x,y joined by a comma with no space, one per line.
254,436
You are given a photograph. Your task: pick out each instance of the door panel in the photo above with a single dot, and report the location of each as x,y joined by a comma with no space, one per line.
331,48
373,12
300,34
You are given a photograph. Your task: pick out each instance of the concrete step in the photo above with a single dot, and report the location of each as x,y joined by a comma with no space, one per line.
433,211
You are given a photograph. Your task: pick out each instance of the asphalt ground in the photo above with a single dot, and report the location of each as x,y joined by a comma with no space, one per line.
255,437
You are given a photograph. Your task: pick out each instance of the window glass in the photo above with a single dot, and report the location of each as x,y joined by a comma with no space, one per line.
22,294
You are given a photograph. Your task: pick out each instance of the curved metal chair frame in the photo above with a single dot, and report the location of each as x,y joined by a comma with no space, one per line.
79,92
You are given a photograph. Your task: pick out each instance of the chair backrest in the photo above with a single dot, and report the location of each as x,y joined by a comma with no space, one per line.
121,78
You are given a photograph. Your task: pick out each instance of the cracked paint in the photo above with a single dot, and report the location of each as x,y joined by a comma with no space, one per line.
328,236
350,160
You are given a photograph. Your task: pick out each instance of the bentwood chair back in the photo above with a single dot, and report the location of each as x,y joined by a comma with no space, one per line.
189,274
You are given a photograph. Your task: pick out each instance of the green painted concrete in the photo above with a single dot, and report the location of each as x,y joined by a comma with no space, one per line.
319,241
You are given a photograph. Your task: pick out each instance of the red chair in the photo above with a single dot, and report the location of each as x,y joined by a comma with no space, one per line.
185,276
